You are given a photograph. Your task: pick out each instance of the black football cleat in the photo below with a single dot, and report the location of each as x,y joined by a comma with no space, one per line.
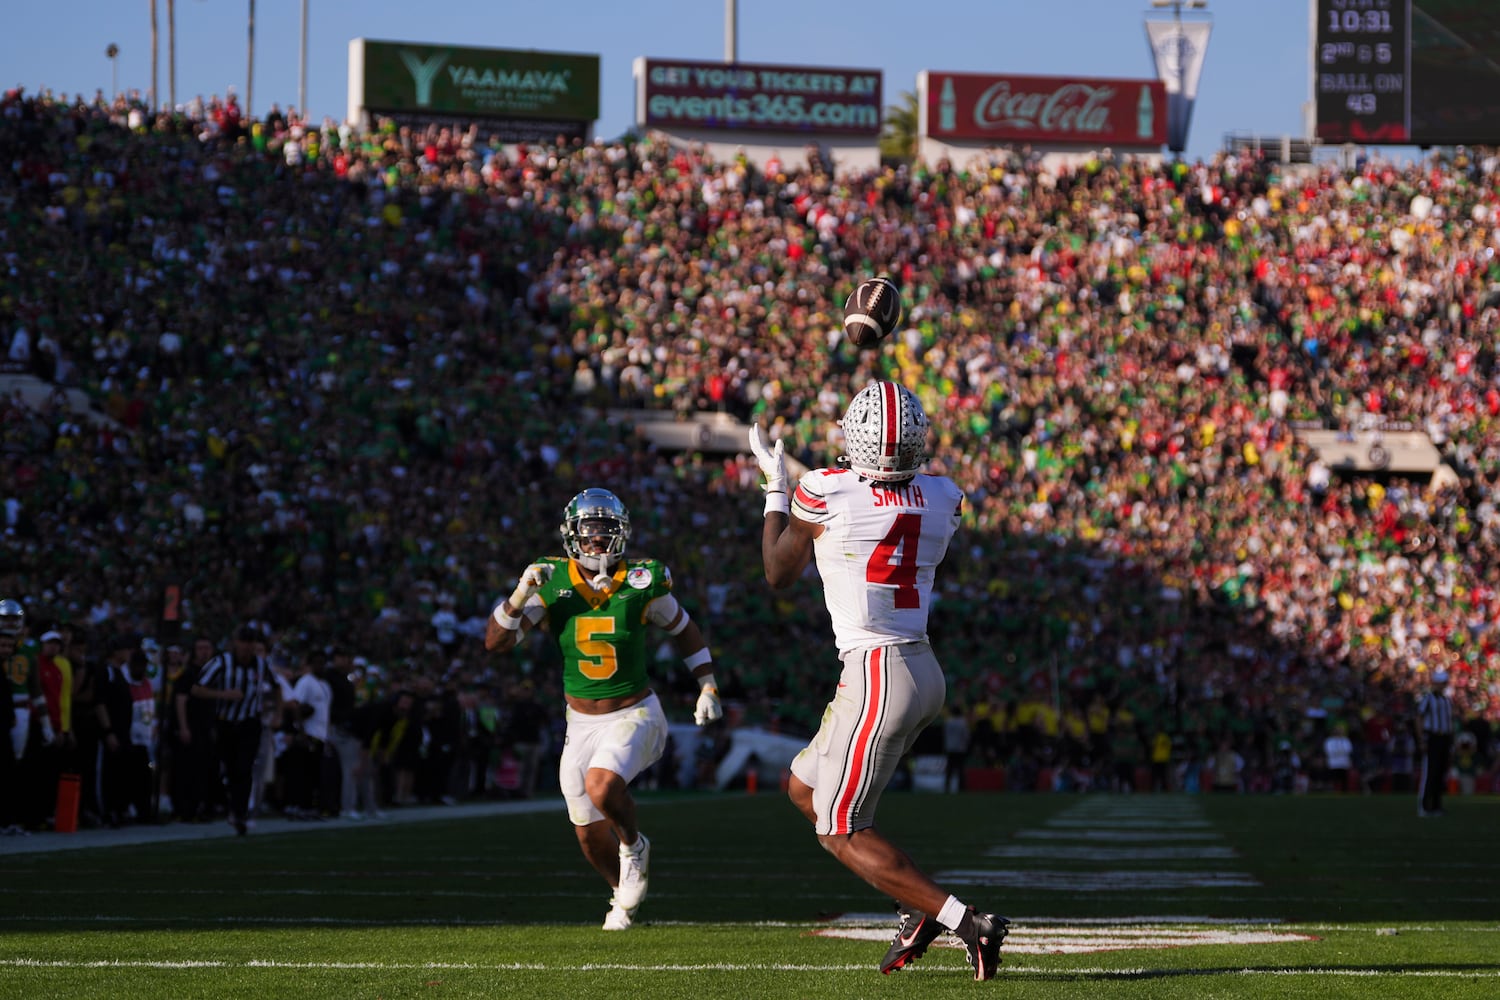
916,932
986,933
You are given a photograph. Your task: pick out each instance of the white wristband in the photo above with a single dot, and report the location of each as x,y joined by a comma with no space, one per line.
697,659
707,681
777,502
506,621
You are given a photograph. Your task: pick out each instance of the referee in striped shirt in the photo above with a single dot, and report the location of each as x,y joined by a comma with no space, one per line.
236,682
1435,712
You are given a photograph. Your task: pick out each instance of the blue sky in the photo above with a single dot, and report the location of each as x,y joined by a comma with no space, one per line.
1255,78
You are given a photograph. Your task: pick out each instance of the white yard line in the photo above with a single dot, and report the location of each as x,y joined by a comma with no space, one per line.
1124,880
1092,852
1141,832
1008,970
1114,834
1068,820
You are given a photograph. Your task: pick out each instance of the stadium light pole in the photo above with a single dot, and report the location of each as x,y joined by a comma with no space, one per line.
112,53
172,54
302,67
249,64
155,59
731,32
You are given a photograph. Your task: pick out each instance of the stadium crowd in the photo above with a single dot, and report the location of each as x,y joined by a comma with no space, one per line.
347,380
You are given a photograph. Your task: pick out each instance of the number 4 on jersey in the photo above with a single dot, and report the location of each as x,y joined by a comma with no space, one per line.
894,561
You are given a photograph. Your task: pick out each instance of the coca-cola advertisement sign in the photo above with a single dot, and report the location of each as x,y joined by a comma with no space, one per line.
1049,109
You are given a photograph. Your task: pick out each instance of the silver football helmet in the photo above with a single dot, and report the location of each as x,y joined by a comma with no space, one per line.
12,617
885,433
595,528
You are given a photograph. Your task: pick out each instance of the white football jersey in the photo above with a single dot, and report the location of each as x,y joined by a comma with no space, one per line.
879,549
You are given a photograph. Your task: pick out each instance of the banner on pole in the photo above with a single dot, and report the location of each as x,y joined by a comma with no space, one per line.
1179,48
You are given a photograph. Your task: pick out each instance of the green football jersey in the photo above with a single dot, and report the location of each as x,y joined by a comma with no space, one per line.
21,670
602,634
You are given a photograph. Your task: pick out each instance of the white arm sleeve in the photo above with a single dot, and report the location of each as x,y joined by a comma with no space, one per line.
665,613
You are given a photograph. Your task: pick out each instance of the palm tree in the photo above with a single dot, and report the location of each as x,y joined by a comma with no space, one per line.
898,135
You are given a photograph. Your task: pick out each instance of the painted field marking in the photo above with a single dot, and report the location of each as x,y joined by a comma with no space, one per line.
1141,972
1145,827
847,919
1117,835
1097,881
1068,852
1034,940
1135,807
1067,821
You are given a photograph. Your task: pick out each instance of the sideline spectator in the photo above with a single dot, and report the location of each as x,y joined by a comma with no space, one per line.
1338,753
526,731
308,711
140,755
55,674
955,748
114,708
342,737
196,769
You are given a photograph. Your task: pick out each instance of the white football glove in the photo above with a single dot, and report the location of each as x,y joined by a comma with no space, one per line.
773,467
708,708
531,578
48,736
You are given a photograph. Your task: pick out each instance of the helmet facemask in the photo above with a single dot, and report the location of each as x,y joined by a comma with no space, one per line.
595,528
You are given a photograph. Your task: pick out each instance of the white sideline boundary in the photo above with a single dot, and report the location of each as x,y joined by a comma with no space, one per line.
131,836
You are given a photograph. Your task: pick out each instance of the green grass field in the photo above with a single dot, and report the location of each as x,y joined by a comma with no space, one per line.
1112,896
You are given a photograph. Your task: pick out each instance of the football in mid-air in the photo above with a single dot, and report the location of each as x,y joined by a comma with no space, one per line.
872,311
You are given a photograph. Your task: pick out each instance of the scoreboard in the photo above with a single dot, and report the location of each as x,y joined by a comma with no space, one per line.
1407,72
1362,70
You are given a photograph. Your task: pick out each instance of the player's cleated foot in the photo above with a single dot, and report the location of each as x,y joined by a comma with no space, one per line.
916,932
618,918
982,935
635,873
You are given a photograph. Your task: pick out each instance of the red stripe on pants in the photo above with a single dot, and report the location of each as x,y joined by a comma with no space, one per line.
861,742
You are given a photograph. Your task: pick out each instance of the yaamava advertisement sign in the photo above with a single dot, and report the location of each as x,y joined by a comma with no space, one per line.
454,80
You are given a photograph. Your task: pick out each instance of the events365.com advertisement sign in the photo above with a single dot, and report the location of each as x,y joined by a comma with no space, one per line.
817,100
991,108
452,81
